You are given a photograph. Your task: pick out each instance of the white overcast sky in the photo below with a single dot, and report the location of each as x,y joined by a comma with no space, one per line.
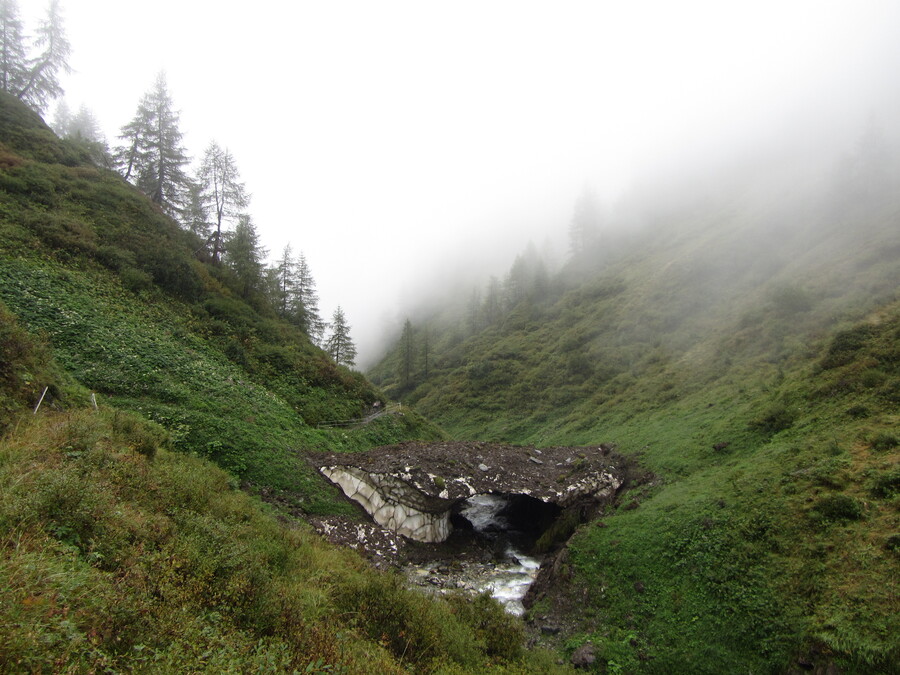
389,139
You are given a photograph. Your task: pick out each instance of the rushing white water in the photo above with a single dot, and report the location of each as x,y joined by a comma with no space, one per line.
483,511
506,580
509,581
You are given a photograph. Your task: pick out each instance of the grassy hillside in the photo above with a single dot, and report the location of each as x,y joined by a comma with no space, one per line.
122,547
88,262
117,554
746,347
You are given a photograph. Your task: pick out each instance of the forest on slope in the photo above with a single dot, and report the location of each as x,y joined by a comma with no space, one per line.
742,339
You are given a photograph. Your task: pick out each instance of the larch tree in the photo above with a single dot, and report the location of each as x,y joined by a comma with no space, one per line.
152,155
284,282
42,78
339,345
222,190
13,59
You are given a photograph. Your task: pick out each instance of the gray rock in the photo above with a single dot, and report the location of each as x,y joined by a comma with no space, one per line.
483,467
584,656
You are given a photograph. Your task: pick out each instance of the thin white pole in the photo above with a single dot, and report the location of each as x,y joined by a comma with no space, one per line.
41,401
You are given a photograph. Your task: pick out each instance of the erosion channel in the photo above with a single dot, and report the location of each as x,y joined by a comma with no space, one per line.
469,516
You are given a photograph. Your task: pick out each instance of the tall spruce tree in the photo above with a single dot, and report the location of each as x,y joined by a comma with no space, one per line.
222,190
339,345
152,155
244,256
311,320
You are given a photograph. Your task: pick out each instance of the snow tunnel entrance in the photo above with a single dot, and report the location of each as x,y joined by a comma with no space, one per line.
517,520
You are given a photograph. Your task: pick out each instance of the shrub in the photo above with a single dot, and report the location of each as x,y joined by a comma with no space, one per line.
845,345
885,485
858,411
838,507
114,257
144,436
135,280
775,419
791,300
500,633
885,441
872,378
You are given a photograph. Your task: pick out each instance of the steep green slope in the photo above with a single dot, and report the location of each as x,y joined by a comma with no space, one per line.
747,349
117,555
133,317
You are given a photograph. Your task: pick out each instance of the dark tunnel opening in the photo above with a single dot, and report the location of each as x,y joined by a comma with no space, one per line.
518,520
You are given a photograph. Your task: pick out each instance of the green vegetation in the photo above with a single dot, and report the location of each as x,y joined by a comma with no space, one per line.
122,548
132,316
756,373
119,555
757,377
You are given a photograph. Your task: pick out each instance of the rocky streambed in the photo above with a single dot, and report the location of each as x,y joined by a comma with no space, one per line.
465,516
499,567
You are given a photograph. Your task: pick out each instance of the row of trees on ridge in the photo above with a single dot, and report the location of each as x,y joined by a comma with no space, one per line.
210,202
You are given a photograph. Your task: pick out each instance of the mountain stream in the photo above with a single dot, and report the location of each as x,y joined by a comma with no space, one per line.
499,565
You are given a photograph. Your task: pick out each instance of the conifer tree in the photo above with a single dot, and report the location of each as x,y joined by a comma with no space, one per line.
311,319
196,220
13,61
244,256
152,155
339,345
42,79
474,304
426,351
406,355
223,193
285,281
492,301
62,118
584,229
84,130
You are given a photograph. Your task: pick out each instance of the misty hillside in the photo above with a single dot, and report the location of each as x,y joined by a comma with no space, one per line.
135,318
125,366
749,274
743,342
